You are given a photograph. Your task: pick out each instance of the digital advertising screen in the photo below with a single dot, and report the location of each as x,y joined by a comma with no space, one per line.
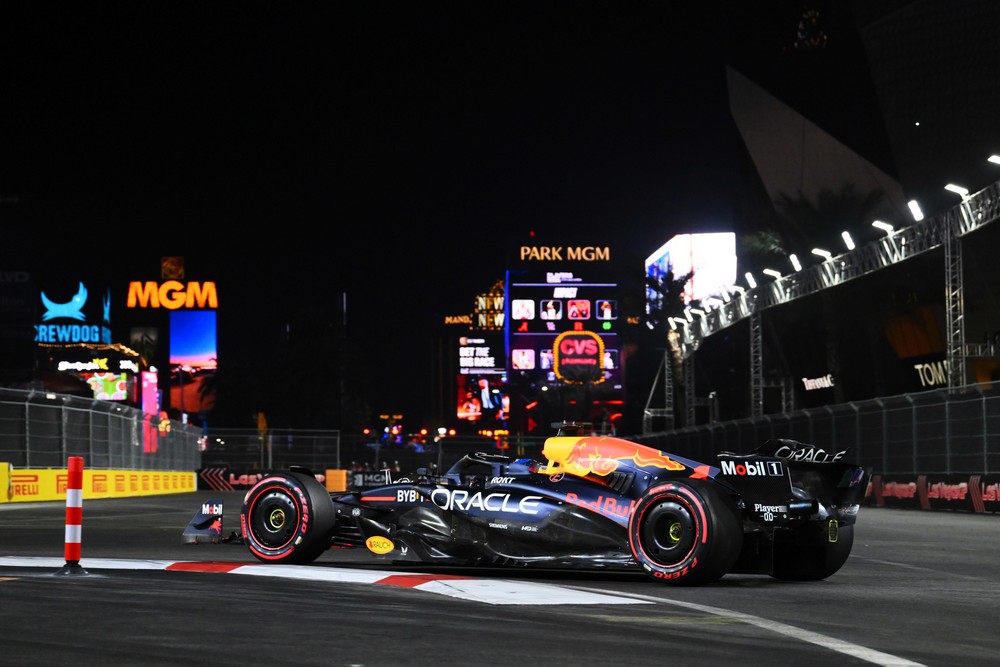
564,330
193,360
193,338
712,258
482,353
483,399
480,386
546,304
108,386
150,397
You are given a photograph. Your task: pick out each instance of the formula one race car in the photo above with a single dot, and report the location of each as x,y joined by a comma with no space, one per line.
786,510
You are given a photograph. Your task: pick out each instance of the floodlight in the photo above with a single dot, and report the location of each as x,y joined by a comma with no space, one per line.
957,189
918,215
795,262
773,273
750,280
825,254
884,226
848,241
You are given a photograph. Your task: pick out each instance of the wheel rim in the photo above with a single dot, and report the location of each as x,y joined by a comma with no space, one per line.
670,533
274,519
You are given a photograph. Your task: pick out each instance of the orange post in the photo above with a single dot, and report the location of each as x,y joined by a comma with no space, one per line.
74,516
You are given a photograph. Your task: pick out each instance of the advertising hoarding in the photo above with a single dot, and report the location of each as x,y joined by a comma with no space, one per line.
193,360
564,340
711,257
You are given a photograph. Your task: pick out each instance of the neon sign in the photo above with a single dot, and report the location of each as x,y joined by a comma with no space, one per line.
172,295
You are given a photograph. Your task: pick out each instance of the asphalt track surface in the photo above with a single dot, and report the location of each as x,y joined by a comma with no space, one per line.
920,588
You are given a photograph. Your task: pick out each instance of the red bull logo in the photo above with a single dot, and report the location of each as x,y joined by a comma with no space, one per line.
602,455
604,505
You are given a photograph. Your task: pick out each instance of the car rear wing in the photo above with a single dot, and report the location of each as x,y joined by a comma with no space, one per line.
783,480
830,476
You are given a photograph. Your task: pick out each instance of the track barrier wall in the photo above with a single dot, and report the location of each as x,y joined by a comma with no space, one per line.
47,484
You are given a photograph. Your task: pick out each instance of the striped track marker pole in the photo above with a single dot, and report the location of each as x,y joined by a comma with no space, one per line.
74,516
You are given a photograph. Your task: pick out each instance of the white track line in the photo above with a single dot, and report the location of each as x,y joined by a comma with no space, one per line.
840,646
488,591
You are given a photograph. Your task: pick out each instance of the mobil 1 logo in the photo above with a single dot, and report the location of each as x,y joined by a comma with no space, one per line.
762,481
752,468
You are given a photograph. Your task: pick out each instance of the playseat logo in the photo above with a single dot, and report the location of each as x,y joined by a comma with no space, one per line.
458,499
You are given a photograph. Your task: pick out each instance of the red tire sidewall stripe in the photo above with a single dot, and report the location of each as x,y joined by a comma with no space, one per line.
295,493
694,504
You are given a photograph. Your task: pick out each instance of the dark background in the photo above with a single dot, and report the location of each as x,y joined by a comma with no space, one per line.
387,156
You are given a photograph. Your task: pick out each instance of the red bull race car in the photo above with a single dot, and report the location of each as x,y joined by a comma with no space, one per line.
786,510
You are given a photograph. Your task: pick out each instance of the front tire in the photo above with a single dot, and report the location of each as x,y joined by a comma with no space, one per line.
685,533
287,518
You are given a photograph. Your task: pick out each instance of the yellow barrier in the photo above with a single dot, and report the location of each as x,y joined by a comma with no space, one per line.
5,488
336,480
40,484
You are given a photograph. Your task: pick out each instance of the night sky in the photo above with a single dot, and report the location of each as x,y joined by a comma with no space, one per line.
394,152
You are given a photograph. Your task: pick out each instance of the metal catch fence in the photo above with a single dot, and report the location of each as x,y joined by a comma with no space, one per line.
42,430
940,431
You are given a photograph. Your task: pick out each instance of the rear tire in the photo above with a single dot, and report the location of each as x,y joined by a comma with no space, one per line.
807,554
685,533
287,518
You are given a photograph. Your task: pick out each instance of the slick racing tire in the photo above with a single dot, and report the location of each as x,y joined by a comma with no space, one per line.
287,518
685,533
811,553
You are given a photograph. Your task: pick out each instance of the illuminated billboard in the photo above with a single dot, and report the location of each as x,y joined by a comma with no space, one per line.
72,313
193,360
483,399
564,329
150,396
193,338
109,386
712,258
480,386
544,305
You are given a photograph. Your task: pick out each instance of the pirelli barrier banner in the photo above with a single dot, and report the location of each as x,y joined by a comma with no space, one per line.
18,485
966,493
